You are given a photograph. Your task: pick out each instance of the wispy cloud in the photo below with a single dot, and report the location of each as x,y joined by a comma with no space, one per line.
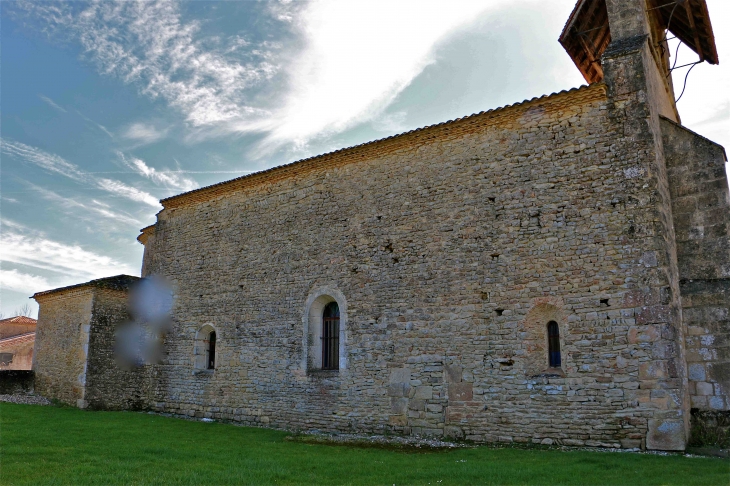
71,261
58,165
144,133
121,189
97,125
44,160
95,207
346,62
22,282
147,43
52,103
171,179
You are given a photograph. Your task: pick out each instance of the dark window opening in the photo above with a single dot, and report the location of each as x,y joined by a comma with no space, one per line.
604,302
499,312
331,337
211,351
554,344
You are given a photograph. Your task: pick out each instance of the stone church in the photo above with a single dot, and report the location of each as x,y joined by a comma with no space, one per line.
555,271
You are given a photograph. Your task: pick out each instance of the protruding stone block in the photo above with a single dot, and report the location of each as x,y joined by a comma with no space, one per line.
666,435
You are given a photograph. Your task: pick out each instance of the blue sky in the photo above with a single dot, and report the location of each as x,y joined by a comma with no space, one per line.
108,107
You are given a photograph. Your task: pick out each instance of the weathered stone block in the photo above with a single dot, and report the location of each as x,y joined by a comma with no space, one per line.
453,432
423,393
665,435
460,392
652,370
398,406
400,375
452,373
704,388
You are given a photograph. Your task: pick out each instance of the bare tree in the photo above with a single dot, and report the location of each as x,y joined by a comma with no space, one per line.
24,311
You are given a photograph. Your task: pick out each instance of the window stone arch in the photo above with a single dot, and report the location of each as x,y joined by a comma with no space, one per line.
201,349
312,321
536,328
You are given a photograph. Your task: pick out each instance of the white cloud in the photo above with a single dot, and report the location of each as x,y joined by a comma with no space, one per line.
171,179
22,282
147,43
56,164
44,160
97,125
121,189
50,102
390,122
144,133
346,63
359,55
97,208
71,261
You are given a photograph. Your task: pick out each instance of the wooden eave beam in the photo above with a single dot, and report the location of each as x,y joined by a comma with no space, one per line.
695,33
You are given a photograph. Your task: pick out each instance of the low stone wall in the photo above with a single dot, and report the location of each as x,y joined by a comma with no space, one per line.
14,382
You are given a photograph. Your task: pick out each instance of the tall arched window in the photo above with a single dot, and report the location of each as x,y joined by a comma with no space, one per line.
331,337
554,344
211,351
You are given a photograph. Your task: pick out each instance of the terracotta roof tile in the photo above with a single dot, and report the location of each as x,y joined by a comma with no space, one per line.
18,320
184,195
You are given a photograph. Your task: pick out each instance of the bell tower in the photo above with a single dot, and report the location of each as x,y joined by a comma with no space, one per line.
624,44
601,29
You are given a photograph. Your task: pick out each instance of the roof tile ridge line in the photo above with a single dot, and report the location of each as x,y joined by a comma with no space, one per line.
372,142
81,285
17,336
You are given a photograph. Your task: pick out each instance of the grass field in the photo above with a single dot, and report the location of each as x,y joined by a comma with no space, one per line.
52,445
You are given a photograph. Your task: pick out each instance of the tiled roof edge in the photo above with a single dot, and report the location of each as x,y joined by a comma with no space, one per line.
117,282
9,339
373,142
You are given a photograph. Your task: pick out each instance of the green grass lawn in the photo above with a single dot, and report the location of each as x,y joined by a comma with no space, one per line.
52,445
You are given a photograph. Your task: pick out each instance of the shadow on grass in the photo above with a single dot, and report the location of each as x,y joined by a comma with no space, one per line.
51,445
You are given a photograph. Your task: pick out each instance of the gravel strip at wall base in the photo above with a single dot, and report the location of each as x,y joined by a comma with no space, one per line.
25,399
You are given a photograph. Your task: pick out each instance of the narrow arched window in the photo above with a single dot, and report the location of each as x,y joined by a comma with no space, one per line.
211,351
331,337
554,344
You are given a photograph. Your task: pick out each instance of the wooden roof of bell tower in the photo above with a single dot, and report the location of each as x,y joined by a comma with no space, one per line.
587,34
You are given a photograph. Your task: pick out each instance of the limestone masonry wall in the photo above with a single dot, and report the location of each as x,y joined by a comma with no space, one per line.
452,249
61,345
701,205
111,384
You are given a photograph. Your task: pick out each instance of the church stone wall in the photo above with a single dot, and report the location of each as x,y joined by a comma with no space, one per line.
701,203
112,385
453,246
61,345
